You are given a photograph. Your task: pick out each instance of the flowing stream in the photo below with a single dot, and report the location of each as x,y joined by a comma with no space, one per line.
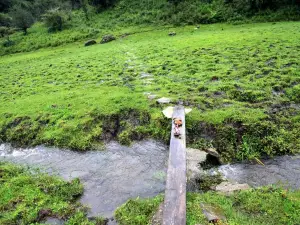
109,177
119,173
281,170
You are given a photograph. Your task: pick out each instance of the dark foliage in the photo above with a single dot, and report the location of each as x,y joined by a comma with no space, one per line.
22,19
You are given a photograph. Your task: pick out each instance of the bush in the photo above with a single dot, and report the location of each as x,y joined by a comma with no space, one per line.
5,20
55,19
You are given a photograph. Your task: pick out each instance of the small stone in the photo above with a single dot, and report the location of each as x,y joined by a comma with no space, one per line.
168,112
213,152
228,188
164,100
90,42
173,33
193,159
151,97
107,38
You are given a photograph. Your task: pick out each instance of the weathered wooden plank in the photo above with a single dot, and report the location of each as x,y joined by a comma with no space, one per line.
174,212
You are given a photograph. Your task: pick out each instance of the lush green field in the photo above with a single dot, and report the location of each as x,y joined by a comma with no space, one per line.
29,197
132,16
265,206
243,83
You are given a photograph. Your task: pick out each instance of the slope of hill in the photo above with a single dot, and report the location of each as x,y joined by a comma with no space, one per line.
242,82
130,16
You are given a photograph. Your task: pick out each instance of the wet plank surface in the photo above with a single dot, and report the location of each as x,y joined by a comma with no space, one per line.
174,212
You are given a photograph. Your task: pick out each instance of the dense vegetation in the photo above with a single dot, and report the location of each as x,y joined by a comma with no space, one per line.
242,82
264,206
30,197
90,18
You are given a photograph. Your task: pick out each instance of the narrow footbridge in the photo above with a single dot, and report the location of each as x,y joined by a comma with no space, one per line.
174,209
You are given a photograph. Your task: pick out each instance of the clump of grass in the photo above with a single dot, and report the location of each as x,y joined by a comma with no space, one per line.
138,211
206,182
27,197
267,205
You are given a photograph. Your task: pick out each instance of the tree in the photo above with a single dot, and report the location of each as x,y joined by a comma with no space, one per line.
55,19
5,5
22,19
85,7
103,3
76,4
175,2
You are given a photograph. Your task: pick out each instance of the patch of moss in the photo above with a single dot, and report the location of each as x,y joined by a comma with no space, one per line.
138,211
29,198
205,182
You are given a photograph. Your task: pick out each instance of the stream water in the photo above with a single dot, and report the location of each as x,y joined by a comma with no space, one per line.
119,173
281,170
110,177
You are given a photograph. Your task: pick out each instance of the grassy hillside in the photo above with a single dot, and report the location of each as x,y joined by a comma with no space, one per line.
130,16
242,82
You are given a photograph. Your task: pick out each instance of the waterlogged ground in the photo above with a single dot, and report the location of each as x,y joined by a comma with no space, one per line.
241,81
110,177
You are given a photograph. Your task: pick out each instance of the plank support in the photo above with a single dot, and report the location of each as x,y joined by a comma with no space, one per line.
174,210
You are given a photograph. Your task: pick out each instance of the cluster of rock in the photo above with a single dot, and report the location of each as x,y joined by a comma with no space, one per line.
173,33
105,39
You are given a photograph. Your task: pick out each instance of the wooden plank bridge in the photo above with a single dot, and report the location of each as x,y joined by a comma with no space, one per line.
174,209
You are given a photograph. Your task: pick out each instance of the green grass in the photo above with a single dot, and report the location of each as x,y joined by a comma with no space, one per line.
242,82
268,205
131,16
28,197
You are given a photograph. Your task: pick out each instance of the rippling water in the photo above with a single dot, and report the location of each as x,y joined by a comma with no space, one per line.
113,176
282,170
110,177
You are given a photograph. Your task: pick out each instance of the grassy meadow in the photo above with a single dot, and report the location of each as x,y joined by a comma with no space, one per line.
242,81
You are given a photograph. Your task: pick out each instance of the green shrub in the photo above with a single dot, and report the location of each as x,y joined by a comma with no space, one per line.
5,20
55,19
294,93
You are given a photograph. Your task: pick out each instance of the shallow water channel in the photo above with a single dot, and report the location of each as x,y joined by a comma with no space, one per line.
119,173
281,170
110,177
